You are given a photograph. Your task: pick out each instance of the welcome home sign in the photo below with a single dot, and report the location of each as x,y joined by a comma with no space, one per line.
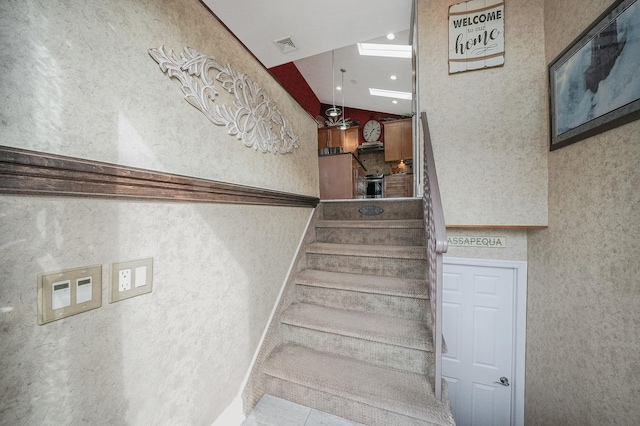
476,35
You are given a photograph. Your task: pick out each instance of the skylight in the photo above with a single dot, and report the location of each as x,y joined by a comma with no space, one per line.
390,94
385,50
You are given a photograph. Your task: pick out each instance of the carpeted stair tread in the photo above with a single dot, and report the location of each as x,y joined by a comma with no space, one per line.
361,325
375,224
393,252
395,391
374,284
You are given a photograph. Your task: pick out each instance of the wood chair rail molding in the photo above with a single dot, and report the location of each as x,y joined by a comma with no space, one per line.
24,172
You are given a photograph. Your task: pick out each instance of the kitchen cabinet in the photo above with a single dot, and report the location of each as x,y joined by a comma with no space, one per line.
332,136
398,185
349,141
324,137
398,143
341,177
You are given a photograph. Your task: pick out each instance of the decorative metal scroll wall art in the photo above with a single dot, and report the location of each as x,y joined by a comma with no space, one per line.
252,115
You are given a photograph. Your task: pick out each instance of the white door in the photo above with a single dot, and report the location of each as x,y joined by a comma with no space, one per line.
478,327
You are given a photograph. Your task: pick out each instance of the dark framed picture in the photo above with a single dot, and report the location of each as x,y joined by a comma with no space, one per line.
594,84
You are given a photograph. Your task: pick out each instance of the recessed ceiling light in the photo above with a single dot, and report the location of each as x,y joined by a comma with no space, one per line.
390,93
391,36
385,50
393,77
338,88
394,101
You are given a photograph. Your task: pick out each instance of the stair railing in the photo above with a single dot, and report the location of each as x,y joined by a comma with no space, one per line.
436,235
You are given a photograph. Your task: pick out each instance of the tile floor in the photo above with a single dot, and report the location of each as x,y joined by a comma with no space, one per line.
272,411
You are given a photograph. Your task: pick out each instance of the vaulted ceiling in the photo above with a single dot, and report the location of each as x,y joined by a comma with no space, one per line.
317,28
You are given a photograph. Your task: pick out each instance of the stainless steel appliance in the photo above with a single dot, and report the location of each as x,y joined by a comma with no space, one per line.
375,185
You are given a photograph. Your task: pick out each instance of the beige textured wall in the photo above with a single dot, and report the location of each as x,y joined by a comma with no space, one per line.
77,80
489,127
584,285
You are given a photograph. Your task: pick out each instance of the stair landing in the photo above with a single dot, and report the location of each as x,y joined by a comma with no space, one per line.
273,411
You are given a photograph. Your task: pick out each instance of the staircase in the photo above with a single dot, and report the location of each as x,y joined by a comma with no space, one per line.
351,334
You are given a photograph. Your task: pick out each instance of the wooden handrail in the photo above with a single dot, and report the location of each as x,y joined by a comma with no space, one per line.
436,234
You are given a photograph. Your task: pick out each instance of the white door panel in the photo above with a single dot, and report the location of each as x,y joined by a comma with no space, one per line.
454,395
478,326
453,314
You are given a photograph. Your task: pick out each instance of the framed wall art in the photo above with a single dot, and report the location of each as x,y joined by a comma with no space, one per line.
594,84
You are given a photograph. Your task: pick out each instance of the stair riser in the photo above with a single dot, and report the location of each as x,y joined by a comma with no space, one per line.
391,210
403,307
406,268
327,402
380,354
398,236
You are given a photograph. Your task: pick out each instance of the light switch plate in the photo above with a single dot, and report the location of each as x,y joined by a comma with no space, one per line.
130,279
71,291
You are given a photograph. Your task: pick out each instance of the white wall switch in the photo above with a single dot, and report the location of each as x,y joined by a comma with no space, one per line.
140,276
84,289
61,295
68,292
124,274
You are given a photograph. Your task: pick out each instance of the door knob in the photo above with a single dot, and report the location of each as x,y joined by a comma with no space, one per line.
503,381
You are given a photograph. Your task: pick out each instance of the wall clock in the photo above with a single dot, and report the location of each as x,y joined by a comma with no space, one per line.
371,131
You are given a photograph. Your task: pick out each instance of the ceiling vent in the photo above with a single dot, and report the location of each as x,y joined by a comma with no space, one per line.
286,45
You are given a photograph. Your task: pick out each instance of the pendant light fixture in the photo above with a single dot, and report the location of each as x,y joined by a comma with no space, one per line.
342,123
333,111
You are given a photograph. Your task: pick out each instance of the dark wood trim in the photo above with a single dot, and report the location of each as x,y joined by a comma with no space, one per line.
25,172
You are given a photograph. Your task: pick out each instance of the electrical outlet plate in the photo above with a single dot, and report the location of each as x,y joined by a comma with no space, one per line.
130,279
71,291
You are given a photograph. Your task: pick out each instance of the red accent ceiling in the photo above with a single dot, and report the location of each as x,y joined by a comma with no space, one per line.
293,82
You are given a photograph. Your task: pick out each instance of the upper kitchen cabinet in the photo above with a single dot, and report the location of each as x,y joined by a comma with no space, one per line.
324,137
350,140
398,140
332,137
